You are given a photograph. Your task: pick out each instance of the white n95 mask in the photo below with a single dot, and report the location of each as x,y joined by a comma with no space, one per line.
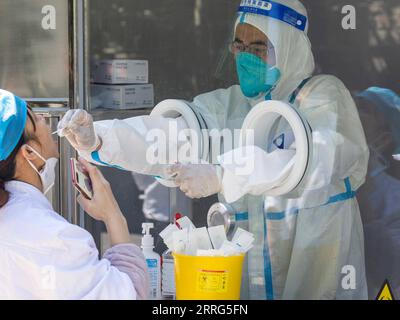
48,173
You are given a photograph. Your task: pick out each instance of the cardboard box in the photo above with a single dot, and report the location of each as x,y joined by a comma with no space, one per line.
120,72
120,97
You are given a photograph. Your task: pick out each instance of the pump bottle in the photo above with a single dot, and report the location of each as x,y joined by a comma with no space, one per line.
153,262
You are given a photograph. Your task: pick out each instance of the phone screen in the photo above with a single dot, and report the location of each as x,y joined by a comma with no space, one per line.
81,180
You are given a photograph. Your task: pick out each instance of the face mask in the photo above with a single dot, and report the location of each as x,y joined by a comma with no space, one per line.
48,173
255,75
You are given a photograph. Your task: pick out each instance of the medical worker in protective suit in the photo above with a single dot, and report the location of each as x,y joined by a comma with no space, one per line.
309,245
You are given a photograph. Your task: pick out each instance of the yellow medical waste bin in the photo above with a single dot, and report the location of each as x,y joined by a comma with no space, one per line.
208,278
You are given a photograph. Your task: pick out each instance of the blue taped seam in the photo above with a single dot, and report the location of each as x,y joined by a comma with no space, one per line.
243,16
269,290
349,194
242,216
96,157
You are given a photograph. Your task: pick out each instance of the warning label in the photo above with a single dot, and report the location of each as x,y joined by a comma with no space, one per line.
386,292
212,281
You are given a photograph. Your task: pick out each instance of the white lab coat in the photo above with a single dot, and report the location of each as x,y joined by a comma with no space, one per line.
42,256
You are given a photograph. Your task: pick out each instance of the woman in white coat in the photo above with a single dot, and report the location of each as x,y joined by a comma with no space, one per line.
42,256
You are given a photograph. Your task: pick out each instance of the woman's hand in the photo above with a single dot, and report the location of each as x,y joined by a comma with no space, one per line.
103,206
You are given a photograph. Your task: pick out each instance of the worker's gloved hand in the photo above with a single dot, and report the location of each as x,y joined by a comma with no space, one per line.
77,126
396,157
197,180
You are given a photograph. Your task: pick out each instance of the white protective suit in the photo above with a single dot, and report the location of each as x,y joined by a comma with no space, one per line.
42,256
303,243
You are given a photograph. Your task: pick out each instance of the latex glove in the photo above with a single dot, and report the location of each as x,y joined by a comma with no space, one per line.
77,126
396,157
197,180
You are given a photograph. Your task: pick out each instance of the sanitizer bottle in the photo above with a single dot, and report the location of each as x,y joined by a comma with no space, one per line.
153,262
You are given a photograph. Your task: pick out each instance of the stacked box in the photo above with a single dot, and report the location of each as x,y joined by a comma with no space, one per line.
132,96
121,84
121,72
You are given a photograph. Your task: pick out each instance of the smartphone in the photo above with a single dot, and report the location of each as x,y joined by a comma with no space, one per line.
81,180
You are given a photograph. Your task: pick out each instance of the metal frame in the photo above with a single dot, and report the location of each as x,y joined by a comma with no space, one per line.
55,108
80,73
81,94
80,54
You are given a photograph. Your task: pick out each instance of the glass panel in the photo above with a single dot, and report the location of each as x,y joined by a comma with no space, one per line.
186,44
363,58
175,36
34,51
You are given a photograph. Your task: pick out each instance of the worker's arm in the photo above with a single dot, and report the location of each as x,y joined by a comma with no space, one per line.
248,170
141,144
251,170
144,144
339,150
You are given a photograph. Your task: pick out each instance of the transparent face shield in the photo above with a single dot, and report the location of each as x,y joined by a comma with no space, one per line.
249,57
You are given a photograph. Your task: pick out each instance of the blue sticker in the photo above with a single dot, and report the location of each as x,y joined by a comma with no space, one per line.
279,142
151,263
